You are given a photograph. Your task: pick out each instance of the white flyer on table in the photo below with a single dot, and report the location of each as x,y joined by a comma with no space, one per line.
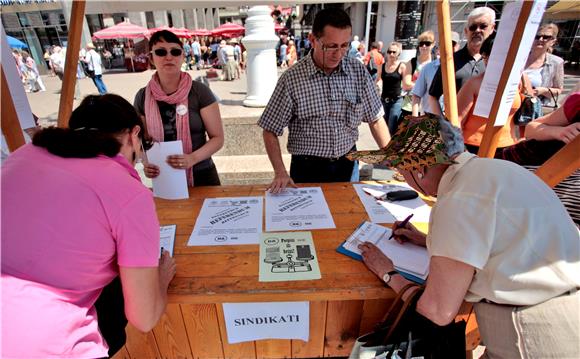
295,209
167,238
389,212
228,221
277,320
171,183
498,56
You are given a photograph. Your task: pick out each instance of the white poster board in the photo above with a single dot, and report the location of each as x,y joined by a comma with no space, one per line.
277,320
498,57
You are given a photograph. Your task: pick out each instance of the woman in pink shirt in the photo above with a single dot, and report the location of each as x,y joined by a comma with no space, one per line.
74,217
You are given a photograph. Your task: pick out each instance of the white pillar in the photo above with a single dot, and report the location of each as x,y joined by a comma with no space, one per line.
260,42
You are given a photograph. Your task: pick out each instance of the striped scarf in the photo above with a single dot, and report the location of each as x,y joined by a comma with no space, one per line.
154,93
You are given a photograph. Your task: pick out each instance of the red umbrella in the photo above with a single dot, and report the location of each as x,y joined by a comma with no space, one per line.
179,32
121,30
200,32
229,30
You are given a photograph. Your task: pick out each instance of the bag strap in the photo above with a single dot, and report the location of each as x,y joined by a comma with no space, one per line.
527,86
395,307
409,304
555,98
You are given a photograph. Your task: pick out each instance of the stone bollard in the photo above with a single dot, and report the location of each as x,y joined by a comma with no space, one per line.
260,42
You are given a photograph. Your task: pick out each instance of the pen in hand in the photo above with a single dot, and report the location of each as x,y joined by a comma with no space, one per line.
401,225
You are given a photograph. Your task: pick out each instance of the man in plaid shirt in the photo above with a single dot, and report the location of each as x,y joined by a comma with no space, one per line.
322,100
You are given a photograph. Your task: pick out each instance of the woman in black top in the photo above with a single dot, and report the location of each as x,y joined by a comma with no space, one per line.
391,73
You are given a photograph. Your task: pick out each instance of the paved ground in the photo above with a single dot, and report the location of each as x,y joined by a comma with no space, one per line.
233,166
236,167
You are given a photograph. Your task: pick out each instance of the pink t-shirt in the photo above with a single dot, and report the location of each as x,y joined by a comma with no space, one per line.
67,224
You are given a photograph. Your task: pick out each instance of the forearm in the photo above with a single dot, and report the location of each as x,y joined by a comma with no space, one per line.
541,132
213,145
274,152
415,105
434,105
380,132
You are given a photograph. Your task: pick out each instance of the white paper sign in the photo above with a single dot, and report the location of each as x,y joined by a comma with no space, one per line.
228,221
295,209
167,238
256,321
171,183
498,56
389,212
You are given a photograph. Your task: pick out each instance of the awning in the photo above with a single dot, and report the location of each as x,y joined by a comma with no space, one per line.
563,10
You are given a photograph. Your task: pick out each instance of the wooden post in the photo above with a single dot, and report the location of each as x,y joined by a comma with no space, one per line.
562,164
9,118
447,64
70,69
491,135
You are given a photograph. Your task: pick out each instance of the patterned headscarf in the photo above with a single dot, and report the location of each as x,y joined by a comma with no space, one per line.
416,144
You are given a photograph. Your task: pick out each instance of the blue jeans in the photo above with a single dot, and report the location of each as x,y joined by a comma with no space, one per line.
98,81
392,113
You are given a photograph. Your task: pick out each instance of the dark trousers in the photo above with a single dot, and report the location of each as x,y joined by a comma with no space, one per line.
312,169
111,316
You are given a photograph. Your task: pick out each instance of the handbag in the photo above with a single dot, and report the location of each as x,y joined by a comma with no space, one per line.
404,333
530,108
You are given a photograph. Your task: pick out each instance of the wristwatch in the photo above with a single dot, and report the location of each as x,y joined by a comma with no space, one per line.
387,276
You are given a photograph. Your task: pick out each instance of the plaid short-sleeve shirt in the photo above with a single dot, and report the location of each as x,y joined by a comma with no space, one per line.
322,112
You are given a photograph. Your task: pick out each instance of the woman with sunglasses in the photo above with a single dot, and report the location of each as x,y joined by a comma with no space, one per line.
391,75
545,71
177,108
76,216
414,67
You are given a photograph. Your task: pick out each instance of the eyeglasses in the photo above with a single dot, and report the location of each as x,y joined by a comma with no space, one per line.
335,47
425,43
391,52
175,52
544,37
474,27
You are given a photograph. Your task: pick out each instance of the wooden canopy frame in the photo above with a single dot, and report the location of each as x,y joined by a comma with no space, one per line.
560,166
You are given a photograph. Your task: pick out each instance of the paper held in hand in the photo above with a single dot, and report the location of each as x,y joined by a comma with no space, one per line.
410,260
171,183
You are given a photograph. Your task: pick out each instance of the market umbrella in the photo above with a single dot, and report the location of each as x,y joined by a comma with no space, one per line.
229,30
15,43
123,30
200,32
178,31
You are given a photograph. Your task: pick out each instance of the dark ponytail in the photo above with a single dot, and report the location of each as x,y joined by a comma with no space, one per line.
94,128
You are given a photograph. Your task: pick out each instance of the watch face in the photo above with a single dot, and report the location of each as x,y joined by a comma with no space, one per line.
386,278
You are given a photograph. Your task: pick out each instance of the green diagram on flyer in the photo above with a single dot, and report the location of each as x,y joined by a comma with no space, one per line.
288,256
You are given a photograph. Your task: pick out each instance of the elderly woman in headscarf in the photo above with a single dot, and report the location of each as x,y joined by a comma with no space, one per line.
498,237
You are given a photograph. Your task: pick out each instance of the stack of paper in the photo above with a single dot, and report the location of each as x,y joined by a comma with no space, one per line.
382,211
410,260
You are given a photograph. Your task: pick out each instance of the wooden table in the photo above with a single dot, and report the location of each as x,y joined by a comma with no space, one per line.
345,303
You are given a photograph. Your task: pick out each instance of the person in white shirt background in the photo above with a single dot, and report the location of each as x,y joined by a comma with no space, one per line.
93,59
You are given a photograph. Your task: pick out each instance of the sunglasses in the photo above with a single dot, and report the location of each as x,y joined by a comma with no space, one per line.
425,43
175,52
544,37
391,52
474,27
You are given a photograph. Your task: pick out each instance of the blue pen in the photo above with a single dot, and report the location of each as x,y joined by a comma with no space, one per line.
401,225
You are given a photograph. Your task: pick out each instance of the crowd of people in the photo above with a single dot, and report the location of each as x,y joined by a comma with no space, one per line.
498,236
